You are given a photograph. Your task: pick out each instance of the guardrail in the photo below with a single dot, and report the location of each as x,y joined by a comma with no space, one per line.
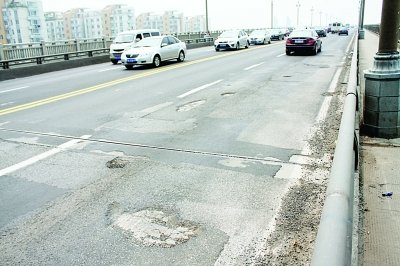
39,53
333,246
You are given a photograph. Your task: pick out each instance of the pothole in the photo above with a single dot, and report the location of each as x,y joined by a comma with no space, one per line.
116,163
189,106
228,94
155,228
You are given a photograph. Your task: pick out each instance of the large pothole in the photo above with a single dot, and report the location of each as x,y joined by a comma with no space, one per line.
155,228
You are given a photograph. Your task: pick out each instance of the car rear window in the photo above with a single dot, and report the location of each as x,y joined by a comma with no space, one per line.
301,33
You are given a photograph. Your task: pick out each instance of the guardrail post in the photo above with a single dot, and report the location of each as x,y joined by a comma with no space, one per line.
77,45
104,42
2,52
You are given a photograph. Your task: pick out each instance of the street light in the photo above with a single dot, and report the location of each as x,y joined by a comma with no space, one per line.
206,16
298,11
320,18
312,12
272,14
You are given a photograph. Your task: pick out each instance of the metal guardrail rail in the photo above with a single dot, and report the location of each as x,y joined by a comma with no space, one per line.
39,53
333,246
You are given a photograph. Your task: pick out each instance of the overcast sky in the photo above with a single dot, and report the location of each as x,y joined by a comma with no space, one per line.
227,14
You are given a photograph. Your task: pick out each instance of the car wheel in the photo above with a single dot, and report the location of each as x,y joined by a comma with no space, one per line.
269,42
156,61
320,48
247,45
237,46
114,61
315,51
264,42
130,67
216,49
181,56
288,52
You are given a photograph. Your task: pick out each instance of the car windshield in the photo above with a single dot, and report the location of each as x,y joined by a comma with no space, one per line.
301,33
257,32
149,42
124,38
229,34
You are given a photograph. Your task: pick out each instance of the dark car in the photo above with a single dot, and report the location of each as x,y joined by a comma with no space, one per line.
276,34
306,40
343,31
320,31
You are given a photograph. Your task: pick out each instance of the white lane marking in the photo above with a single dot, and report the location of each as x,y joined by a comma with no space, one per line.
199,88
16,89
281,55
156,108
253,66
108,69
323,111
42,156
5,104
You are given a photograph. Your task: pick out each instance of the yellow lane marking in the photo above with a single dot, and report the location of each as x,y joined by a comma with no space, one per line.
116,82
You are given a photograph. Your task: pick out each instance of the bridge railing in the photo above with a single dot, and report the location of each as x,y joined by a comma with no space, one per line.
27,53
334,242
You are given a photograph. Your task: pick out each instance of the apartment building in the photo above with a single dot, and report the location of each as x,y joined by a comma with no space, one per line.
81,23
150,21
173,22
55,26
24,21
2,28
117,18
195,24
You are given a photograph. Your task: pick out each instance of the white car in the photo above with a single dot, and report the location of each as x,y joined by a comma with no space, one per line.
154,50
259,37
232,39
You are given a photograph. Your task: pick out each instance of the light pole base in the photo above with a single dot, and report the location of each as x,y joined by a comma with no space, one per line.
361,34
382,97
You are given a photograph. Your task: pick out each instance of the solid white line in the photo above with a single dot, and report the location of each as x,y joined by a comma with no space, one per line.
156,108
281,55
42,156
323,111
108,69
16,89
4,104
199,89
253,66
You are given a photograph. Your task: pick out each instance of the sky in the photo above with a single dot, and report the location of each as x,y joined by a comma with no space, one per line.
248,14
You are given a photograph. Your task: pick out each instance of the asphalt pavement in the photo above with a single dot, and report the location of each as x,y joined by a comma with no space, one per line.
379,174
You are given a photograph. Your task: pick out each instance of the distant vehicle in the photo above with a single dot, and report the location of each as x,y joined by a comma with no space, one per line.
277,34
320,31
126,39
335,27
154,50
305,40
343,31
232,39
260,37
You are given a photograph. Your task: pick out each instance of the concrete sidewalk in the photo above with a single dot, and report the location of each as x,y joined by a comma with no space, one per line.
380,172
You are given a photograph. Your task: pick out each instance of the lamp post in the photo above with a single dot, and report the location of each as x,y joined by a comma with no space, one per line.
320,18
382,81
207,16
298,12
312,12
272,14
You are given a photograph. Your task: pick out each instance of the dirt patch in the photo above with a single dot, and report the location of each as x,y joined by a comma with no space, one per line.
296,225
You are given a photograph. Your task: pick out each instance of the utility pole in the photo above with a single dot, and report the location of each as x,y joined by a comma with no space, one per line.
312,12
207,17
272,14
298,12
382,82
320,18
361,32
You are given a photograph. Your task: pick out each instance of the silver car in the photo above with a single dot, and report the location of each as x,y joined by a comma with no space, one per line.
154,50
231,39
260,37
